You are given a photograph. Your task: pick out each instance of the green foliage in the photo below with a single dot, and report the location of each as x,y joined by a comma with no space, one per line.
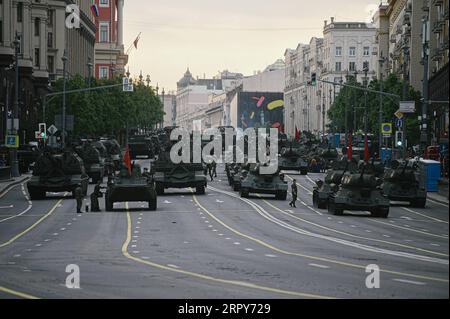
349,97
107,111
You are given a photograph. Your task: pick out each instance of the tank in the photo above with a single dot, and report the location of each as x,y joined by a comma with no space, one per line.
140,146
328,155
332,180
291,160
255,182
60,172
169,175
94,162
401,183
114,155
362,192
130,188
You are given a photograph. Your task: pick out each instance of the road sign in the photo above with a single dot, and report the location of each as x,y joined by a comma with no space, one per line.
398,114
12,141
407,107
399,122
127,86
386,128
52,130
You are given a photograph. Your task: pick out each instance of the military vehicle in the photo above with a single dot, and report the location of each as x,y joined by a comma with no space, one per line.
291,159
166,174
113,151
255,182
130,188
359,191
94,163
140,146
61,172
328,155
401,183
333,178
239,172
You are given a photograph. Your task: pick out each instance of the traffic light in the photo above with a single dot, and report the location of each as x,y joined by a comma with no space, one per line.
313,79
42,131
399,138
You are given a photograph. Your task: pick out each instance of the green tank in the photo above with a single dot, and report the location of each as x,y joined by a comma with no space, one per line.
359,191
93,161
328,155
140,146
255,182
61,172
130,188
169,175
291,160
333,178
401,183
114,154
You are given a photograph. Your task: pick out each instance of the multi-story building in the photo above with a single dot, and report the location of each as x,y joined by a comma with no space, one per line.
170,107
347,48
43,39
110,56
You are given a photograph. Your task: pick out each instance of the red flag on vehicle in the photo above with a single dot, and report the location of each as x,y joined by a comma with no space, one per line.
366,149
350,147
127,159
297,134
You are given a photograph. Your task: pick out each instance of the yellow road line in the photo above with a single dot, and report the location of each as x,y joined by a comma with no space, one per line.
355,236
410,229
17,293
9,242
262,243
208,278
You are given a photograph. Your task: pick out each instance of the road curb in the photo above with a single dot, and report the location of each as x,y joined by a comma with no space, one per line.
437,200
13,183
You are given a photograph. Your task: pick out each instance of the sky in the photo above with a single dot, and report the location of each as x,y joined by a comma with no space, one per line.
237,35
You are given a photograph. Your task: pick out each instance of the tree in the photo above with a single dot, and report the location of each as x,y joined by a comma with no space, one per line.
348,98
107,111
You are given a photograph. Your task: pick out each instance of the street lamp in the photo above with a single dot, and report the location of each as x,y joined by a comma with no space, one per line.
13,153
366,84
148,80
63,119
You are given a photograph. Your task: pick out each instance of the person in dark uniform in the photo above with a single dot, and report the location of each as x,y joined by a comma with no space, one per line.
210,171
95,207
294,193
78,194
214,168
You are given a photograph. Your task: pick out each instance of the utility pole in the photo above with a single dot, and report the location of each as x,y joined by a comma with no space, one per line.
15,114
424,117
380,111
63,117
405,93
345,113
366,84
354,105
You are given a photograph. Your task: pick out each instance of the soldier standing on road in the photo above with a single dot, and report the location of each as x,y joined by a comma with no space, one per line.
214,168
95,207
210,170
294,193
78,194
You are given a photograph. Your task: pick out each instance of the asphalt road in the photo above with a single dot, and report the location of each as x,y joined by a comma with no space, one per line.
219,246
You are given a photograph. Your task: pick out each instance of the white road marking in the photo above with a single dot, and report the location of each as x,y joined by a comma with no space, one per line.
38,245
186,242
55,234
352,226
214,230
136,251
138,222
405,217
319,266
47,240
210,226
133,246
11,263
220,234
249,249
340,222
68,224
136,231
271,256
410,282
145,257
219,201
206,222
167,202
74,219
236,243
423,215
17,256
228,238
137,227
63,229
368,231
135,236
435,245
5,207
173,266
387,236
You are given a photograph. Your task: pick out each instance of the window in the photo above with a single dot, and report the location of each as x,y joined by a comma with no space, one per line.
366,65
19,12
37,26
37,57
104,32
352,51
366,51
50,40
103,72
50,17
352,66
338,51
1,31
338,66
104,3
338,80
51,64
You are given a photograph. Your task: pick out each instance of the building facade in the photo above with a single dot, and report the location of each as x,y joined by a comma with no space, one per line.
170,107
347,48
110,56
43,38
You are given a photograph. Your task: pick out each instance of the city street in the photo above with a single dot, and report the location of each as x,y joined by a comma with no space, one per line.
219,245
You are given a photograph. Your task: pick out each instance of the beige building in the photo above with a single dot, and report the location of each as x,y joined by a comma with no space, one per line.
170,103
43,38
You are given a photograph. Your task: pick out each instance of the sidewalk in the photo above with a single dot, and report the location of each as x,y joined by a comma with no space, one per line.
5,185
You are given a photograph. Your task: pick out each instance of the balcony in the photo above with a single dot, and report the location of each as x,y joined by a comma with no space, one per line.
437,54
437,2
425,6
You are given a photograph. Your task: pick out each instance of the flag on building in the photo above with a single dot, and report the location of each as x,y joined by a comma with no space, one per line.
137,40
127,159
94,9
